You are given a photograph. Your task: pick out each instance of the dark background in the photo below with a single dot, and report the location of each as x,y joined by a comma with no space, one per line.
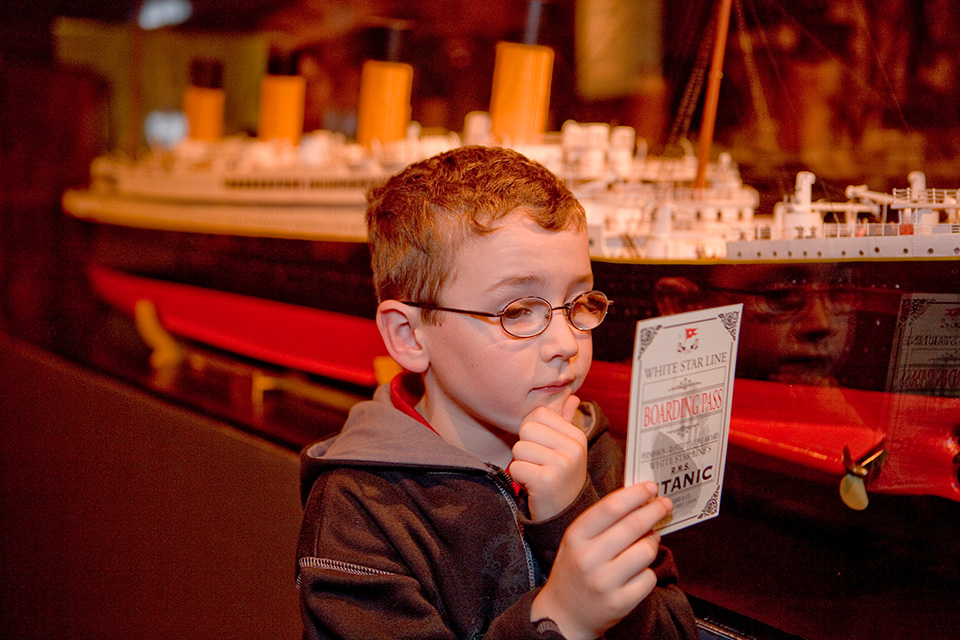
852,86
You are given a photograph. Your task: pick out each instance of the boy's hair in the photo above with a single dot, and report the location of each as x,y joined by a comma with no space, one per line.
418,218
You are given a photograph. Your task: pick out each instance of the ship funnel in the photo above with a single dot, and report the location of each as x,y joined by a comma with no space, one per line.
282,93
918,181
203,100
799,220
805,180
520,99
924,217
385,88
384,111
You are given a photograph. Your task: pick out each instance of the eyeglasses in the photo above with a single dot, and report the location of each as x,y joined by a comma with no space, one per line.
529,317
790,300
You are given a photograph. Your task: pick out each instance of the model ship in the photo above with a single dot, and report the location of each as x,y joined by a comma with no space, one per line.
251,245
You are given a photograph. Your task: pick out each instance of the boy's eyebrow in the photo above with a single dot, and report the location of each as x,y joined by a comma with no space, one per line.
522,281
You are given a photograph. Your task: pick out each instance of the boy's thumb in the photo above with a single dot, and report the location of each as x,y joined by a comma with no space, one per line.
570,408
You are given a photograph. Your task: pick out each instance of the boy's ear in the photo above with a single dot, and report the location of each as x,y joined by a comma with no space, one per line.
676,295
398,324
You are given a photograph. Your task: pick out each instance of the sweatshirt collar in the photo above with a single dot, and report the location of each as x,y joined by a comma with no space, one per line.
381,432
406,390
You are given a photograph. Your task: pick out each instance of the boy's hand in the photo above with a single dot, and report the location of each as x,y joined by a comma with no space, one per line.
550,459
602,570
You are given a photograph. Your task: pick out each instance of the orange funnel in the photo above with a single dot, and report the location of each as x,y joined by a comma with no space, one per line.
384,101
520,100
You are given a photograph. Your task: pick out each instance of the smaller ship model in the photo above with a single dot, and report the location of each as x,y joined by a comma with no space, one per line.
913,222
639,219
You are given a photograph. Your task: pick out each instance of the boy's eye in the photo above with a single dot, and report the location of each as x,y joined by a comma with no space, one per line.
782,299
518,309
589,304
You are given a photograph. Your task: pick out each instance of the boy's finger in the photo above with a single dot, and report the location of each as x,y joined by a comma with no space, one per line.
633,560
640,586
530,453
570,408
556,463
522,471
551,434
542,423
633,526
611,509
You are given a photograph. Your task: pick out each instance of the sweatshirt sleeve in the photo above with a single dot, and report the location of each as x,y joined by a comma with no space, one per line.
515,624
352,582
545,535
665,613
362,576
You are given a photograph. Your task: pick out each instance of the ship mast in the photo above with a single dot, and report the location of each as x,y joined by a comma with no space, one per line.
713,94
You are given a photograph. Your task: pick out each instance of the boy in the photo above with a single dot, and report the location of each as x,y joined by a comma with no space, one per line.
799,320
475,496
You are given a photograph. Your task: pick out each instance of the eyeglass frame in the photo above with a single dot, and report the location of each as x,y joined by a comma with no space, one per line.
567,309
807,289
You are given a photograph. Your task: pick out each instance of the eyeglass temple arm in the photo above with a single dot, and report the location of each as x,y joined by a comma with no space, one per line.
433,307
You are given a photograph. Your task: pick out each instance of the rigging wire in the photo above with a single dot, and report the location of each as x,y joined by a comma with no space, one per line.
774,63
688,104
765,124
852,74
881,69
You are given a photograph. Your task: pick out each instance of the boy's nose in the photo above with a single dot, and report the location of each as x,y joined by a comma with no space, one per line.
559,338
815,316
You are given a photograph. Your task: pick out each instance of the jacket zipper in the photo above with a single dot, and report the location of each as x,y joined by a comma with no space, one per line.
504,485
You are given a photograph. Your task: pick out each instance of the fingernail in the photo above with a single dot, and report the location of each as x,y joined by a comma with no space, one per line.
668,503
652,487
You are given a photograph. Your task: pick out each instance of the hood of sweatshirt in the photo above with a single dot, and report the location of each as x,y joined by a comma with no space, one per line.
377,434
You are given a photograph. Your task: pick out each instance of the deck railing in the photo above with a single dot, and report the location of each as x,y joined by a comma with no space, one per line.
857,230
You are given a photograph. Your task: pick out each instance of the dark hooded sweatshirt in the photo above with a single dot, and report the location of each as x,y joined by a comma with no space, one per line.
407,536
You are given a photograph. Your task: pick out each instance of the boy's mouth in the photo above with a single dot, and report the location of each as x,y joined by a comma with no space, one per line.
555,387
807,363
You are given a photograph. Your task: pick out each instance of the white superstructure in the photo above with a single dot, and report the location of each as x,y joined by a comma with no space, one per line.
639,206
927,225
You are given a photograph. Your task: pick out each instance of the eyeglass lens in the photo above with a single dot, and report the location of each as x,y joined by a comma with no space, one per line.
837,299
528,317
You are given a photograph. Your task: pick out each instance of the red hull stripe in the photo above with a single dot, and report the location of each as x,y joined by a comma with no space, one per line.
809,426
329,344
801,425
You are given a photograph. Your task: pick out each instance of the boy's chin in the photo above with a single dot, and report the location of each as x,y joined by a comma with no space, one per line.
821,376
555,401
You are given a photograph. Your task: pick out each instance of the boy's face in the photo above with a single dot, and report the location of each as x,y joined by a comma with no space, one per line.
479,376
804,346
